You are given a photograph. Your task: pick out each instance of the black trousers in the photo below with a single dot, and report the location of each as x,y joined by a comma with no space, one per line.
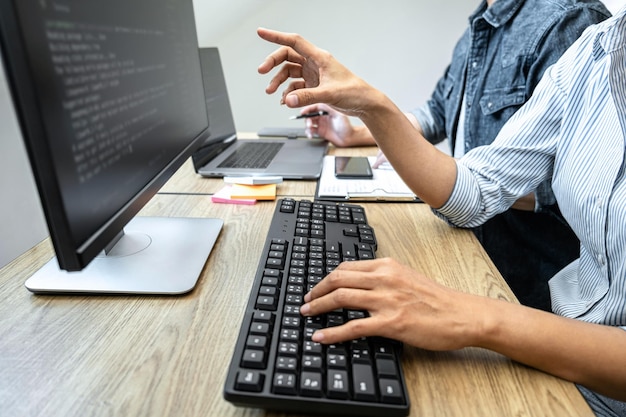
528,249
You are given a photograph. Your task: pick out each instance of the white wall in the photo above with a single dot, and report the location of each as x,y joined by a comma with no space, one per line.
21,219
400,46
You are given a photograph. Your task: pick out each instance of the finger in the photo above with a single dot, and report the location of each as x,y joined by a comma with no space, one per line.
351,298
284,54
380,159
343,278
354,329
286,72
296,42
294,85
365,265
276,58
308,95
311,129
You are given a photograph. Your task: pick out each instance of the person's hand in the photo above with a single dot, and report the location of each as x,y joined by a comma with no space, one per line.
380,159
402,303
334,127
317,77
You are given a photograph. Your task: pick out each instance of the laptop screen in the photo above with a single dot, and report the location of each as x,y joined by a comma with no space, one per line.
221,123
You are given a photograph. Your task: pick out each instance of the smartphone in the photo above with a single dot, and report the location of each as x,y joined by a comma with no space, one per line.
357,167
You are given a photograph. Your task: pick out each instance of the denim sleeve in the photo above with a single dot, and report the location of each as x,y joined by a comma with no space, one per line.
431,116
560,34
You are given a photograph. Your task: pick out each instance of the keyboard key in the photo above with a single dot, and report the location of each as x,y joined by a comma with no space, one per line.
338,384
290,335
249,381
363,382
292,322
311,384
263,316
287,348
265,302
253,358
284,383
266,290
312,347
257,342
386,368
337,361
312,362
260,328
286,363
390,391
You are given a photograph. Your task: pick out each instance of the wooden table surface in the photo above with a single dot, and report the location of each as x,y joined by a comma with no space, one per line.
168,356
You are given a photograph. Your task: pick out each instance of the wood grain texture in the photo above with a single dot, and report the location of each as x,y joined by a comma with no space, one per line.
167,356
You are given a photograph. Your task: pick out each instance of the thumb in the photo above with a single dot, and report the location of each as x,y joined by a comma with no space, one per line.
292,100
304,97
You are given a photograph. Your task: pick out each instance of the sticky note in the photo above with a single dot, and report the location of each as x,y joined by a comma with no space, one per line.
257,192
224,196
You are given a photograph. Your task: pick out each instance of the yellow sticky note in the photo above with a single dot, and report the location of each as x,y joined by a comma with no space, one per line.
257,192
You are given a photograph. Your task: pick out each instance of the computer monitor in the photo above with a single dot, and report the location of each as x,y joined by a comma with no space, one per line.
110,102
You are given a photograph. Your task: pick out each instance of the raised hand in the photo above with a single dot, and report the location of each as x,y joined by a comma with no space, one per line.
316,76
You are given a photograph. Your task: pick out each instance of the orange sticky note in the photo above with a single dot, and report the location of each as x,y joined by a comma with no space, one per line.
223,196
257,192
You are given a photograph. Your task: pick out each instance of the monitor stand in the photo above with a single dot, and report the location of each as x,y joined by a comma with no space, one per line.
155,255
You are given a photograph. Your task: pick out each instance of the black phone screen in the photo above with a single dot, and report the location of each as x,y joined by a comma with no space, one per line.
352,167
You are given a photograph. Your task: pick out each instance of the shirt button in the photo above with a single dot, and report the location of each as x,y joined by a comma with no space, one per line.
474,64
600,259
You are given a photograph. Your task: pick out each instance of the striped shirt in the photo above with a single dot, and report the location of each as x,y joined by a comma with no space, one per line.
572,131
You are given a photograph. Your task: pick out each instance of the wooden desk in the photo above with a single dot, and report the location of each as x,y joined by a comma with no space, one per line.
125,356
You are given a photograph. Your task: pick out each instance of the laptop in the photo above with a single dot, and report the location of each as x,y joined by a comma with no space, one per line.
223,154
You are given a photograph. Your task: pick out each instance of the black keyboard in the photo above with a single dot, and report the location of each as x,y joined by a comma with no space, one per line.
252,155
275,364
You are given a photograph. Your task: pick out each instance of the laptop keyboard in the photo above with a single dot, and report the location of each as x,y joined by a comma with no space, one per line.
252,155
275,364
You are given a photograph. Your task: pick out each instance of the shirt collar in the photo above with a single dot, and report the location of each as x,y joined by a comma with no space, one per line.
609,35
499,13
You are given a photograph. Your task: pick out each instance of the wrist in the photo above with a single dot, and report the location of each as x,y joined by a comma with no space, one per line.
361,136
381,114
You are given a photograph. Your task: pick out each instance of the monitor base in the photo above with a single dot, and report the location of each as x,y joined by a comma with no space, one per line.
156,255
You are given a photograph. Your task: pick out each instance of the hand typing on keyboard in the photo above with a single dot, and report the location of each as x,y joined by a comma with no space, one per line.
278,361
398,300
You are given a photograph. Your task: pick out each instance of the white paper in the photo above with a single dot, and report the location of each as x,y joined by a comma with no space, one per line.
386,184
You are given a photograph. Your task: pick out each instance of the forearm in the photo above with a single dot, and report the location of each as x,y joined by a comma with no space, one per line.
361,135
589,354
429,172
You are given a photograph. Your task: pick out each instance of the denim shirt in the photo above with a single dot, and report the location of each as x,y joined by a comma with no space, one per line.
498,62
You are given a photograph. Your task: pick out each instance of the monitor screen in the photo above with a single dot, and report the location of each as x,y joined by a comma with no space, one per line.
110,101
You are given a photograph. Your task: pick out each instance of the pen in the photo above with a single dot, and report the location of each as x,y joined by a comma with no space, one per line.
307,115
